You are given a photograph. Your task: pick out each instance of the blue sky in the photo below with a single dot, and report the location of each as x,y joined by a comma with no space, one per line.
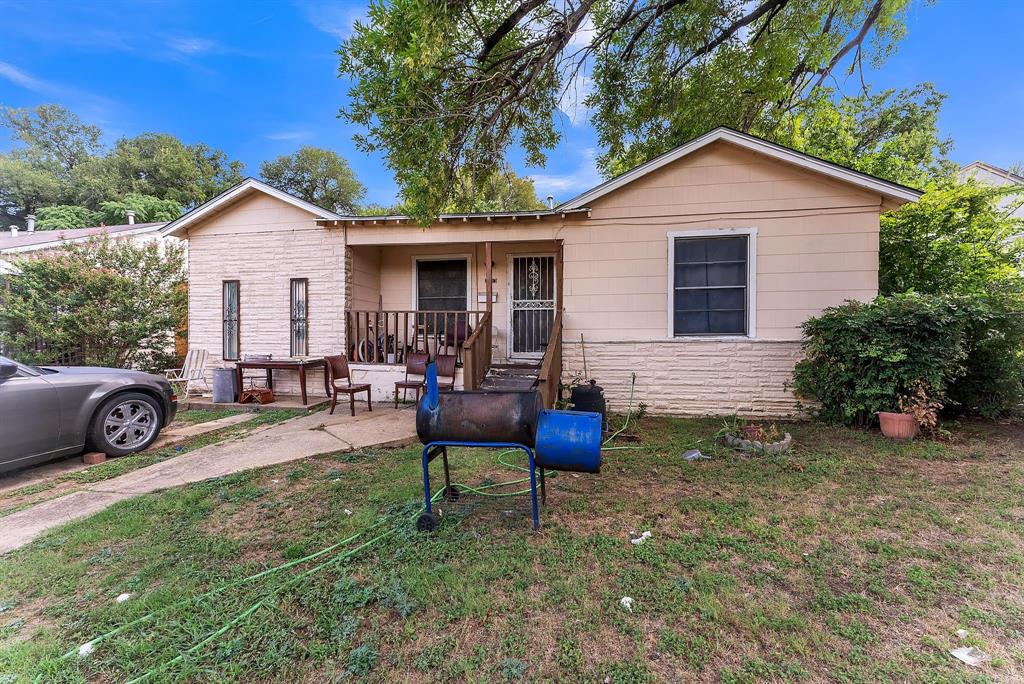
259,78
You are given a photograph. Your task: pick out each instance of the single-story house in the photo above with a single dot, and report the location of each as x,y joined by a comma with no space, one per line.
693,271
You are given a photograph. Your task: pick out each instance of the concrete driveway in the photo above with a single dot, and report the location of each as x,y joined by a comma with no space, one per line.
318,433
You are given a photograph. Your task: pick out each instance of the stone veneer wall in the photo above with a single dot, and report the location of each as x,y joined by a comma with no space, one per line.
264,243
692,377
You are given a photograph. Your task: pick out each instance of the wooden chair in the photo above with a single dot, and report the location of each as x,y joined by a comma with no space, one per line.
446,371
415,364
192,371
337,370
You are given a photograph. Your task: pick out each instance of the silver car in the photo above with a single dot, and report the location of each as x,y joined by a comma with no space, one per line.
52,411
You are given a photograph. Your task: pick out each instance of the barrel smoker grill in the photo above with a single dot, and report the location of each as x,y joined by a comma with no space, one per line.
552,440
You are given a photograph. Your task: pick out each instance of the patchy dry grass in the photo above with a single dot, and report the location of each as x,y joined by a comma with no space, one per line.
850,559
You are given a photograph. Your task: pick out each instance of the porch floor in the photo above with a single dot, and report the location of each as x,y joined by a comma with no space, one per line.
281,401
511,377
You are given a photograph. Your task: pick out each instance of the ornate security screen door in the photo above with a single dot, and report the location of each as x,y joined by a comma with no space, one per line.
531,304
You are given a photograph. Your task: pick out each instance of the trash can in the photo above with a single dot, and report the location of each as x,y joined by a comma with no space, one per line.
225,389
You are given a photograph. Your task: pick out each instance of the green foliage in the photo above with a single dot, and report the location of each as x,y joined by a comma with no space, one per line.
956,239
503,191
893,134
112,303
993,384
446,88
58,160
161,165
53,136
24,187
316,175
862,358
146,207
64,216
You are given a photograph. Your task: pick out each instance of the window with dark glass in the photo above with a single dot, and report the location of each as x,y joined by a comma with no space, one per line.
299,326
441,285
710,281
229,331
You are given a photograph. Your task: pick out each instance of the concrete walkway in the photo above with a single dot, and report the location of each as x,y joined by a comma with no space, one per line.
175,432
318,433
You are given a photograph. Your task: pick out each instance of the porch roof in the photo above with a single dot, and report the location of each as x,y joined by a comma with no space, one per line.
538,214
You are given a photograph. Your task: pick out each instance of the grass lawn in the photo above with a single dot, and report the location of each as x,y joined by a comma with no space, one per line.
850,559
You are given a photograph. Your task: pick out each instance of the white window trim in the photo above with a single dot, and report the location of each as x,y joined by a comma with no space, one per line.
468,258
751,234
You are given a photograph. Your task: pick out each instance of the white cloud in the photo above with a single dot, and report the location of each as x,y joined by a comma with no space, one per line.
288,135
336,21
28,81
191,46
583,177
571,103
584,34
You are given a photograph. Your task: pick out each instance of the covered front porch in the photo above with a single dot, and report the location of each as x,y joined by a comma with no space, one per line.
494,305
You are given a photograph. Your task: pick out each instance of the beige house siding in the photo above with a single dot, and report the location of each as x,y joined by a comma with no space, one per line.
263,243
816,245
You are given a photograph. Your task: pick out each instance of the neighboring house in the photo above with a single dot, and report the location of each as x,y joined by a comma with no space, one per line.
694,271
993,175
15,242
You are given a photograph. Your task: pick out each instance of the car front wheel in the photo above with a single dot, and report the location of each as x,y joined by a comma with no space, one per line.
124,424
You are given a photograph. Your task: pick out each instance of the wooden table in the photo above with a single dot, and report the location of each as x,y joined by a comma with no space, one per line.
300,365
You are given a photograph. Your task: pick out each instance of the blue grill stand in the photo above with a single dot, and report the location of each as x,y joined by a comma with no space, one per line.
427,522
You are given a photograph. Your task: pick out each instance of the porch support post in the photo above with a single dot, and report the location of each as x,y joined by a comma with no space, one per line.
488,274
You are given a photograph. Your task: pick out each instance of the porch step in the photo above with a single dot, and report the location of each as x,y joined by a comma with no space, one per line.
510,377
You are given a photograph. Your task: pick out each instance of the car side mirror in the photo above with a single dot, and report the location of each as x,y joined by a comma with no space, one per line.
7,370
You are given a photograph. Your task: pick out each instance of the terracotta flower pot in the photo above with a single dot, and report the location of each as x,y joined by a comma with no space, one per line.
898,425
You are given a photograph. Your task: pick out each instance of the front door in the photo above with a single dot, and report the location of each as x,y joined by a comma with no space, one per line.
532,298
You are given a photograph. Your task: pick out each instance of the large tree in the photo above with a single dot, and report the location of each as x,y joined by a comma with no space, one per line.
316,175
444,86
893,134
52,137
161,165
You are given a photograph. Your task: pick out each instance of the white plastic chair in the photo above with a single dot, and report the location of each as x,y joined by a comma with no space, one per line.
194,370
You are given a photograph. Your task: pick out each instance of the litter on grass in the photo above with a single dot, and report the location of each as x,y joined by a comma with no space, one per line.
636,541
85,649
695,455
627,603
962,633
972,655
121,598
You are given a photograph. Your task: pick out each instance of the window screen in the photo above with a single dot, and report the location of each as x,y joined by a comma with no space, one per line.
441,285
229,331
299,324
710,295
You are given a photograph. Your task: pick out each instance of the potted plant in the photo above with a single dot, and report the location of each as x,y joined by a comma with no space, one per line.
901,426
918,412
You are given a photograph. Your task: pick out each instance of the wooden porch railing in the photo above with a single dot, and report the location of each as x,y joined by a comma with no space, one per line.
551,367
476,354
385,337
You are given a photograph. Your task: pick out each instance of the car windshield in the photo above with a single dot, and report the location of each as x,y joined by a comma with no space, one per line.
24,366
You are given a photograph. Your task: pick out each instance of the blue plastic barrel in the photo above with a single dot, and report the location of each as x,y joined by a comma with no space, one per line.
569,440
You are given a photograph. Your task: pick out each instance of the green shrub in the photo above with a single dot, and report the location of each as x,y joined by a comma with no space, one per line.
861,358
993,384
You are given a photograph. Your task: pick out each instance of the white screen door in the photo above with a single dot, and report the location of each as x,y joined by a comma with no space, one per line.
531,305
